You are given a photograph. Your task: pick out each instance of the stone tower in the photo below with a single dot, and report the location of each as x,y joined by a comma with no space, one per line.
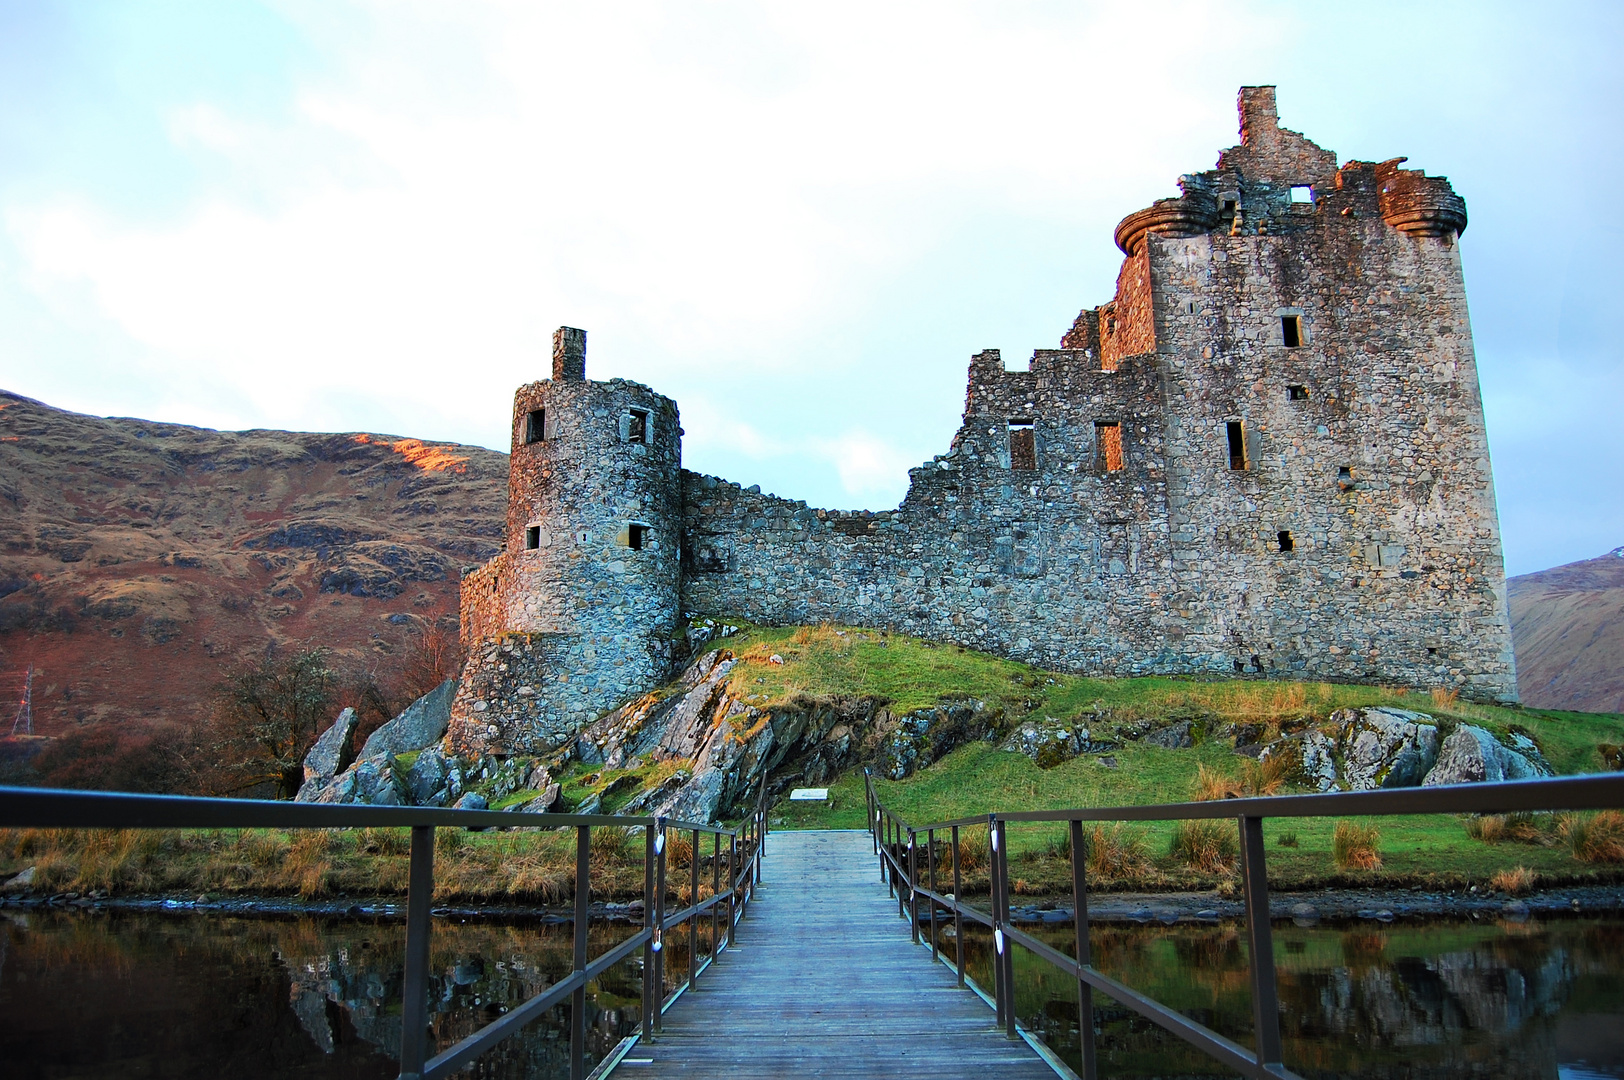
581,605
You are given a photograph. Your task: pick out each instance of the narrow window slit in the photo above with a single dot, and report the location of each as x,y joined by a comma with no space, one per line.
1023,449
1285,540
532,537
636,536
1108,441
1237,445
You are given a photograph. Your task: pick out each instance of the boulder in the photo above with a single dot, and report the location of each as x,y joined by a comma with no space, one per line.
22,881
1385,748
331,754
927,735
422,723
471,800
1319,760
1473,755
427,776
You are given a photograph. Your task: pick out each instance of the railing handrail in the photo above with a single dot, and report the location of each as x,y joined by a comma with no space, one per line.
61,808
68,808
899,868
1597,791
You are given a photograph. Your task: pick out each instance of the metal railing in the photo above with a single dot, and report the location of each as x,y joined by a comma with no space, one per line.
895,842
46,808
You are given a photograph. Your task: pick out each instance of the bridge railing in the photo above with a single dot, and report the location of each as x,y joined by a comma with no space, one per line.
896,845
47,808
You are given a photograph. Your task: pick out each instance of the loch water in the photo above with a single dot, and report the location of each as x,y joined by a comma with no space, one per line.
118,994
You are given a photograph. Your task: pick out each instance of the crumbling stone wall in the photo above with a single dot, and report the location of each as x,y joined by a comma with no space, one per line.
1265,454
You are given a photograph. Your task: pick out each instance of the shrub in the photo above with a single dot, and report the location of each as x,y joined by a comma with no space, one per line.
1516,882
1286,839
1353,847
1205,846
1596,838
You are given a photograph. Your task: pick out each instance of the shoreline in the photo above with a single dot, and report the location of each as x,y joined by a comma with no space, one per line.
1302,908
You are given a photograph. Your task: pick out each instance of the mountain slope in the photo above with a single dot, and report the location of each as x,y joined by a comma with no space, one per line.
1567,624
139,561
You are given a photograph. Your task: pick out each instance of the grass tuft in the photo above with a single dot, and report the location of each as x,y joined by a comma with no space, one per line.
1353,846
1518,881
1596,838
1208,847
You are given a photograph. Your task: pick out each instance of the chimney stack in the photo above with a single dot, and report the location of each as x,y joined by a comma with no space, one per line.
569,353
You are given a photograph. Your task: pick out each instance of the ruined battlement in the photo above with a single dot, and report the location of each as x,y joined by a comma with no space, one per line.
1265,454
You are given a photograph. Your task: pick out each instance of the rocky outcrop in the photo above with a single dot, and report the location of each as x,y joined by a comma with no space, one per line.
1049,742
1473,755
424,722
332,752
1366,749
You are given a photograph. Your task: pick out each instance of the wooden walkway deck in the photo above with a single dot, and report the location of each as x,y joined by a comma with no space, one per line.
824,982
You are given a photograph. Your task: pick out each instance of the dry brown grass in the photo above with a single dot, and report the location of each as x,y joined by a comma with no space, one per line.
1445,697
1595,838
1265,777
1353,846
974,850
1521,828
1208,847
1116,851
1518,881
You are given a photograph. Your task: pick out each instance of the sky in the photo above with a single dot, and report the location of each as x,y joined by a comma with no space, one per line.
798,220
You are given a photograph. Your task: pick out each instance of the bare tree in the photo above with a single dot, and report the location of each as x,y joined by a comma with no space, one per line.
266,717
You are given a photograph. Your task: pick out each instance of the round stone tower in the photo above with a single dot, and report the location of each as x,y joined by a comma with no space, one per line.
578,613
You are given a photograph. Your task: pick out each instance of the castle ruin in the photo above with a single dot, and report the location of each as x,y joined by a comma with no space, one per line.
1265,455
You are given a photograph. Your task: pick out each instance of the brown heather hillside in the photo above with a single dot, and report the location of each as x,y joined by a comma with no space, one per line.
139,562
1567,625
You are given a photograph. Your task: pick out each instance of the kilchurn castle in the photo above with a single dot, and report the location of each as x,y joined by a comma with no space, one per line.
1265,454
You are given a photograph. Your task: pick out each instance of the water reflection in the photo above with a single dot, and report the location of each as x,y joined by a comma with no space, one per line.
139,995
1443,999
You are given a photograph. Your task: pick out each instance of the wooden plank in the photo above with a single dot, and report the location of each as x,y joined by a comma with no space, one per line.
826,983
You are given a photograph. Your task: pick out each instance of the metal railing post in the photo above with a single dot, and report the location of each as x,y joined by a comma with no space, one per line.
732,888
414,1026
958,918
583,910
1006,950
930,863
913,886
693,898
659,922
997,918
1085,993
716,890
1260,942
651,995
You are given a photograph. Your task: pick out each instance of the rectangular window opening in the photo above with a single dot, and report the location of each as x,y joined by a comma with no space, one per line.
532,537
535,426
1108,440
1344,478
1291,330
637,429
1237,445
636,536
1023,447
1285,540
1302,193
1296,393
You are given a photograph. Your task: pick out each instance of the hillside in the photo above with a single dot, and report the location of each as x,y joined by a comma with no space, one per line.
139,561
1567,624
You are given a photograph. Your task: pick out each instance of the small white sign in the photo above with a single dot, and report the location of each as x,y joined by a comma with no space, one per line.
809,794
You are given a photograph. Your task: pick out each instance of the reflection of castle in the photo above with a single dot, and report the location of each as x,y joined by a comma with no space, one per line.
1265,454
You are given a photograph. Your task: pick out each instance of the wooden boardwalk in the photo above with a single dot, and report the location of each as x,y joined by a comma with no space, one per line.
825,982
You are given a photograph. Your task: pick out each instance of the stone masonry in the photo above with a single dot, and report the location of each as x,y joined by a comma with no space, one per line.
1266,454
